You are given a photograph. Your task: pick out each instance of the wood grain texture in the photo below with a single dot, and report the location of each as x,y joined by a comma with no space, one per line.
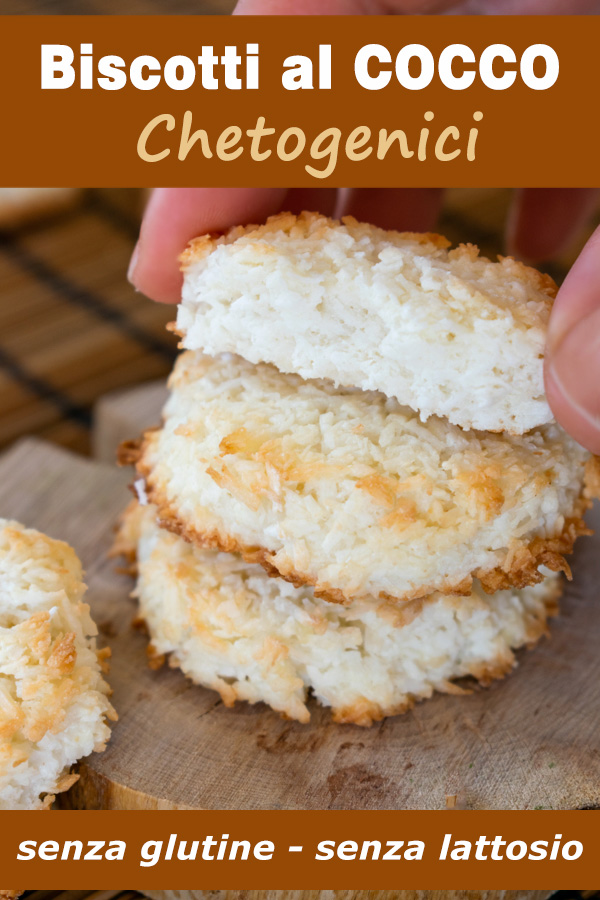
124,414
532,740
71,327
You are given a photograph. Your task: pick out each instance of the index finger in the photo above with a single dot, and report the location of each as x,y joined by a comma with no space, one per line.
579,295
174,216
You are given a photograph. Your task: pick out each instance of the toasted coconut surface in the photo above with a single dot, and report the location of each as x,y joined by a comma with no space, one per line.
53,698
443,331
230,627
351,493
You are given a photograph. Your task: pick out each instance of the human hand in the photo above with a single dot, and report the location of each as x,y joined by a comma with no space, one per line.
540,224
541,221
573,349
414,7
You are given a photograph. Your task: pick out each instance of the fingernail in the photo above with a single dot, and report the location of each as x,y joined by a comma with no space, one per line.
133,263
573,381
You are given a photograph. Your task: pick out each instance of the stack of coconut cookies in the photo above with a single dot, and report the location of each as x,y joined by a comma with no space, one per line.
358,489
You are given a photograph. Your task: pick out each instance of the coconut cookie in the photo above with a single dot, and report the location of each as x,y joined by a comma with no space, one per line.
443,331
351,493
53,699
231,628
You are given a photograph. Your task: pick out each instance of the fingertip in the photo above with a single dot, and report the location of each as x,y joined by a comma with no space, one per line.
579,427
174,216
579,295
133,263
153,267
572,379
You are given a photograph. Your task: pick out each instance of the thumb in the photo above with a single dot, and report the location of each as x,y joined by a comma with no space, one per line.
573,352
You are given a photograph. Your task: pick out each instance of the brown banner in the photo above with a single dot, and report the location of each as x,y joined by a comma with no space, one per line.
364,101
301,849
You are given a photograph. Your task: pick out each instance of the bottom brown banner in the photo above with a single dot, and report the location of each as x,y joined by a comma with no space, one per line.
330,849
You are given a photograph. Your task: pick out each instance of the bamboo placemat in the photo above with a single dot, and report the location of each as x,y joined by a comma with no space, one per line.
72,328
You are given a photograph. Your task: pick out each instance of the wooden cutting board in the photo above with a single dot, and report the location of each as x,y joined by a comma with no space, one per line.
530,741
123,414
